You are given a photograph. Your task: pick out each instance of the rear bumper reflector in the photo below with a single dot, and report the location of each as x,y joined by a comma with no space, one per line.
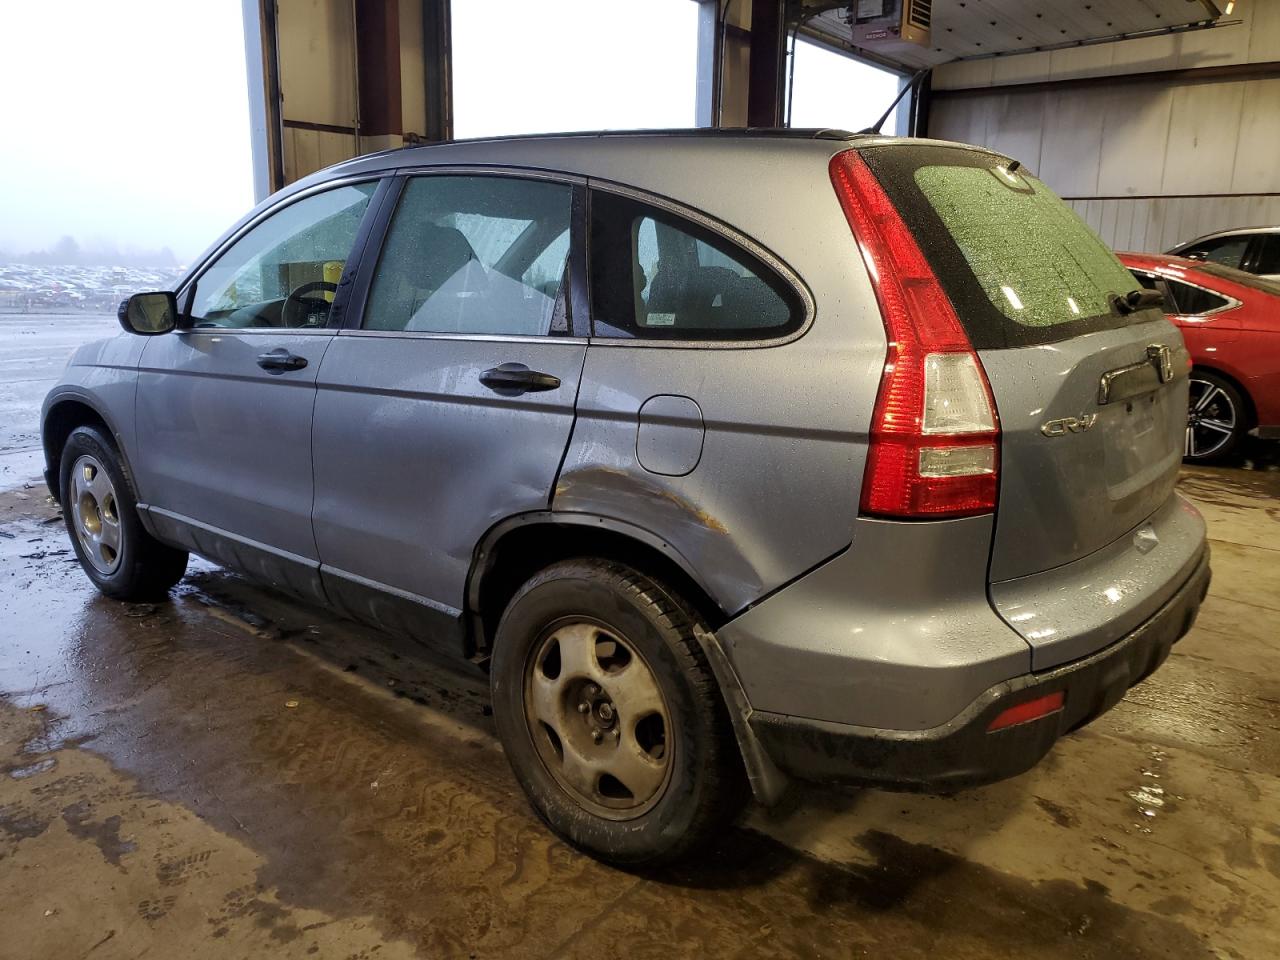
1026,712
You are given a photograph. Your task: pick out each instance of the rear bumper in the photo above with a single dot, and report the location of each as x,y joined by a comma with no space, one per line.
962,752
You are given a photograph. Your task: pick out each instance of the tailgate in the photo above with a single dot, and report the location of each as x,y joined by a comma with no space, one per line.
1077,472
1090,386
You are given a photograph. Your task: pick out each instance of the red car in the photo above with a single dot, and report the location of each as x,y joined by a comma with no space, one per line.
1231,323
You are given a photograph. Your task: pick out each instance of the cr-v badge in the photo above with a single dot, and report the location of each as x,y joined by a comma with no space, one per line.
1056,428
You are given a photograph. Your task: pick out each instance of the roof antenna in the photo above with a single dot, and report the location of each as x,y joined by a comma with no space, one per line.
909,85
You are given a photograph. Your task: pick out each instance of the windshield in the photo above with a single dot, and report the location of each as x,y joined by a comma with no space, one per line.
1019,265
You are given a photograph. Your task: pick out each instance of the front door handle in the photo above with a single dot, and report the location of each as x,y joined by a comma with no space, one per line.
279,360
514,378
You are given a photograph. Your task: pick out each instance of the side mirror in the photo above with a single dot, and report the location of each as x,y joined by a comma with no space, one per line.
149,313
1199,255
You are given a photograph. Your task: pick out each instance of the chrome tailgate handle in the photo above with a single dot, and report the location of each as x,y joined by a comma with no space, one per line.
1136,379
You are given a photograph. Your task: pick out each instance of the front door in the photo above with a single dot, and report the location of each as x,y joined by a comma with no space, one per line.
450,406
225,405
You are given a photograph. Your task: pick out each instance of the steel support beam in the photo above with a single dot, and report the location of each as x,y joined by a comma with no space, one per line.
263,71
378,69
767,71
437,59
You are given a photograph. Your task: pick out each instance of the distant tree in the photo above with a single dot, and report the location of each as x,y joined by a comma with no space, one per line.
66,250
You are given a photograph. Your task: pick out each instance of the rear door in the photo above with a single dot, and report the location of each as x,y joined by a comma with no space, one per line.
224,406
1091,395
447,406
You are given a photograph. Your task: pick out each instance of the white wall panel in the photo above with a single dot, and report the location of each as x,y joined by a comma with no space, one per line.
1030,68
1257,162
1158,224
963,120
1134,128
1204,128
1091,61
1072,149
1014,125
965,73
1146,54
1264,33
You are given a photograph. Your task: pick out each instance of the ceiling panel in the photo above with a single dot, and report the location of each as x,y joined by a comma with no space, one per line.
964,29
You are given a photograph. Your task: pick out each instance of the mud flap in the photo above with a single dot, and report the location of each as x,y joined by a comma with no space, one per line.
768,783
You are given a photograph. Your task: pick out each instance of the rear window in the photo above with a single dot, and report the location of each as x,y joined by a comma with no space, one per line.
1019,265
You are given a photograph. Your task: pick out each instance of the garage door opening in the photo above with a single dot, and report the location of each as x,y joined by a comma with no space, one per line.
573,65
830,89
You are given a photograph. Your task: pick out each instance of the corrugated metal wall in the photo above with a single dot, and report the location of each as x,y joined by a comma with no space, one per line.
1146,163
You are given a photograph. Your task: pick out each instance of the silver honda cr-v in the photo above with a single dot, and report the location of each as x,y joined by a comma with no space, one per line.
732,457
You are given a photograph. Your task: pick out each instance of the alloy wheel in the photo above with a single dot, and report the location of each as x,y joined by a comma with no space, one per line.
95,514
598,719
1211,419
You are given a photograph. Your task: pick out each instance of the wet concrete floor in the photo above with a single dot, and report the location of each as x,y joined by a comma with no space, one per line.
232,773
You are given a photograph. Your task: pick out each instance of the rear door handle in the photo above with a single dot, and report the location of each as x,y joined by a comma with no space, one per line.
279,360
514,378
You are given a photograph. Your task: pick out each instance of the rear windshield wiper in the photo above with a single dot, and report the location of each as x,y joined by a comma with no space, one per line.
1136,300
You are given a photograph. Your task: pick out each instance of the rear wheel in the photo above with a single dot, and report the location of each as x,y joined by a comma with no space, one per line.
610,715
1216,421
100,511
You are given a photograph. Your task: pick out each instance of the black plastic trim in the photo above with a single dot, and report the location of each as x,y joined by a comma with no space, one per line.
962,753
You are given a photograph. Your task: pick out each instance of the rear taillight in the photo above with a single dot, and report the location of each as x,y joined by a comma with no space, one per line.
935,438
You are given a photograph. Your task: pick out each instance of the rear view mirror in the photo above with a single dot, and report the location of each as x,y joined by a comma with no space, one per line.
149,313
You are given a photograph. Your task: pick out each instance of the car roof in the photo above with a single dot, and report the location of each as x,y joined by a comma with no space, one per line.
665,152
1214,276
1232,232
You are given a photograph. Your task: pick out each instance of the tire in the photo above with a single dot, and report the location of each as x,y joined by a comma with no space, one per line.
1217,418
687,781
100,511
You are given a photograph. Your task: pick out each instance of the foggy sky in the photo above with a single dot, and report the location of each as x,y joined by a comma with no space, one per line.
126,125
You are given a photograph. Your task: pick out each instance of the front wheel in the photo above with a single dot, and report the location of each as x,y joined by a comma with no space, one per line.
1216,421
100,511
610,715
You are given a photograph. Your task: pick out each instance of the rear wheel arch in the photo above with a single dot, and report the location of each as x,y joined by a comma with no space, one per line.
518,547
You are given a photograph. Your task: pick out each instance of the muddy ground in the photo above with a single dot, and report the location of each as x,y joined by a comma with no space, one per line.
231,773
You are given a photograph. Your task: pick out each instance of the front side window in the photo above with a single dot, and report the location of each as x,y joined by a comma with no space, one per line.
284,272
657,275
474,254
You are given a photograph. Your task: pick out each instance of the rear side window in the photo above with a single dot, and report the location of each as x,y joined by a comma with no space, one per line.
1225,251
1019,265
479,255
656,275
1267,257
1190,301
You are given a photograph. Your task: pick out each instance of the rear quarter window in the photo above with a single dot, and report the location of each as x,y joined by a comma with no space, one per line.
656,275
1019,265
